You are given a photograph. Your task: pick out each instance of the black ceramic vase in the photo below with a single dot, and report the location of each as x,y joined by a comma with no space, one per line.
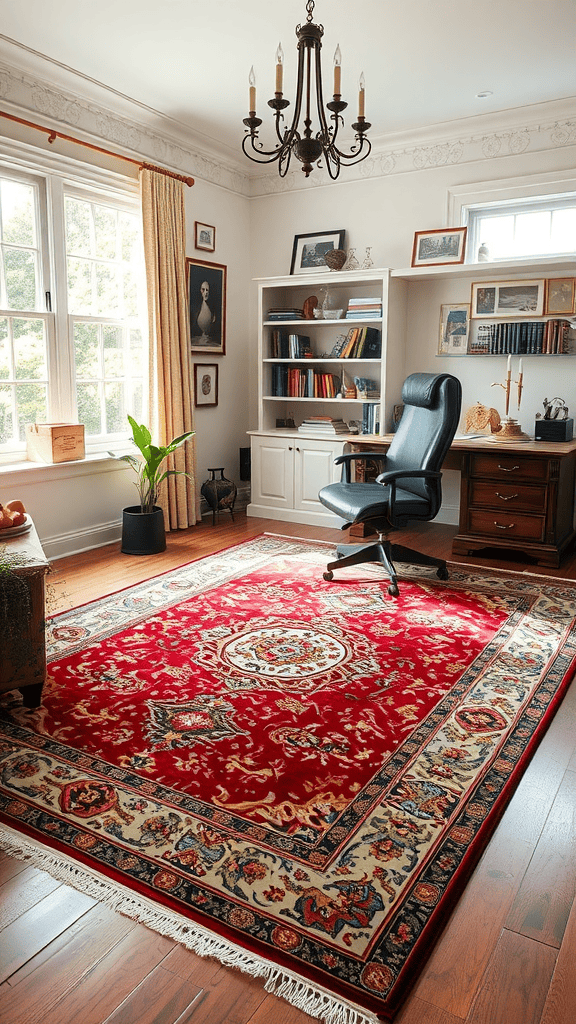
219,493
143,533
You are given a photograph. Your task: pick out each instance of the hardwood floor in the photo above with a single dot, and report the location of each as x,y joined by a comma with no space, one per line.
505,956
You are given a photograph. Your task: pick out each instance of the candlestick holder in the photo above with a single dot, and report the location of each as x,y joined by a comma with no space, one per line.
510,430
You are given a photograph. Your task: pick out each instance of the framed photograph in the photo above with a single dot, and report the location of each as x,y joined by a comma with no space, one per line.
206,306
560,295
204,236
507,298
309,251
205,383
439,247
454,321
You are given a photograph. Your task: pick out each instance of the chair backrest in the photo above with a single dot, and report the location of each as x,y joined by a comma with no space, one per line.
432,404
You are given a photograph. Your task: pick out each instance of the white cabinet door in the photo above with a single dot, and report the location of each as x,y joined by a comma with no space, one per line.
313,469
273,472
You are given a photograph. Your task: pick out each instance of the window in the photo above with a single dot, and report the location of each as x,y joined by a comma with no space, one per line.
523,229
73,337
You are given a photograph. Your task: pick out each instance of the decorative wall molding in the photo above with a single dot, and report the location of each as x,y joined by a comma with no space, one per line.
35,88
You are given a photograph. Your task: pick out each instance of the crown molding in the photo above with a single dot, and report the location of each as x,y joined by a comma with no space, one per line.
39,89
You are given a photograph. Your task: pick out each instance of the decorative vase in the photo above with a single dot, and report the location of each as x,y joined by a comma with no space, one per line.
219,493
143,533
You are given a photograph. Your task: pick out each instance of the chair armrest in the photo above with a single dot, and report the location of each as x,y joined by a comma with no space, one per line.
348,457
390,478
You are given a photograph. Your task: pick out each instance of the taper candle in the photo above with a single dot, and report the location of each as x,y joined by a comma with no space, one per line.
361,95
337,71
252,83
279,67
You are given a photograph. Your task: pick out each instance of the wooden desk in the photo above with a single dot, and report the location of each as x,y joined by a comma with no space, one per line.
25,669
518,497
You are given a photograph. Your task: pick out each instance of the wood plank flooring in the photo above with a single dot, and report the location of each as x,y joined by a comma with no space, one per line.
506,955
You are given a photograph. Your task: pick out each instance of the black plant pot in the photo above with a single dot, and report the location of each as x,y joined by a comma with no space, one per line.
143,533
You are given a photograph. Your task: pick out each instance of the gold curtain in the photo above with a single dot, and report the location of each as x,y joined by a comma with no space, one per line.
170,394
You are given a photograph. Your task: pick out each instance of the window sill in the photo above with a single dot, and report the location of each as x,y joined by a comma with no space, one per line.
26,472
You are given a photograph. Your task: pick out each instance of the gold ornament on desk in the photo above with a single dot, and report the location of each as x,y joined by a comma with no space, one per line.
510,430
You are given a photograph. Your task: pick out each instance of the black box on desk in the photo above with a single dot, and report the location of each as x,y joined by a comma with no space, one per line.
554,430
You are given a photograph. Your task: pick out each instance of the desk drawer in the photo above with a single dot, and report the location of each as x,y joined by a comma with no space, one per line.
506,525
508,496
498,466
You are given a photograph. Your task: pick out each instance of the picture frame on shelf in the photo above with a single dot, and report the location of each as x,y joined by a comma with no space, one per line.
204,236
454,326
439,247
309,250
560,293
206,283
205,384
510,299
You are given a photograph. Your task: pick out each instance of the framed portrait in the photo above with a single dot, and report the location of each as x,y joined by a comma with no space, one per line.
507,298
453,337
206,306
560,295
439,247
308,251
205,383
204,236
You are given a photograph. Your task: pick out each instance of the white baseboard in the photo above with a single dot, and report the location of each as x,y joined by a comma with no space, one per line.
76,541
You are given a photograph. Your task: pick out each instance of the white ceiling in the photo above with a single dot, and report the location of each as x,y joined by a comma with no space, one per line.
424,61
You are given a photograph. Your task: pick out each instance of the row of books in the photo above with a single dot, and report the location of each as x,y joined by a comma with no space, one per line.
289,346
359,343
371,418
325,425
364,309
296,382
529,337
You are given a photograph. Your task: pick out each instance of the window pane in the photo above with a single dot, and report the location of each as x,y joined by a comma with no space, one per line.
563,231
115,411
108,291
18,213
498,234
32,406
113,352
86,351
532,233
106,230
6,416
79,286
136,353
136,404
78,225
89,412
20,269
5,365
29,350
129,227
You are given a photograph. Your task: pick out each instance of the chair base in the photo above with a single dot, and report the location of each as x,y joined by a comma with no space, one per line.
386,553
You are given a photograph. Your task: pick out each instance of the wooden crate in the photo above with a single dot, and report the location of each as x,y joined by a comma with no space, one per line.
55,442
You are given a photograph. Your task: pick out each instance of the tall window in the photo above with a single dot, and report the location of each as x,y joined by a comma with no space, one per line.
72,308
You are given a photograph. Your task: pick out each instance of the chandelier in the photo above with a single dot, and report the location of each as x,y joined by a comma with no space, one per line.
307,146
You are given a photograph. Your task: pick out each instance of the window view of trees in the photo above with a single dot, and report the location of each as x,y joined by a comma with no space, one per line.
99,334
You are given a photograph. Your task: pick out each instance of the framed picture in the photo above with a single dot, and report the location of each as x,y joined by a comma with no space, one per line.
507,298
205,383
204,236
207,306
454,321
560,295
439,247
309,251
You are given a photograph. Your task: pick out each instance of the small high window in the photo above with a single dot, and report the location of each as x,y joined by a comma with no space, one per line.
526,229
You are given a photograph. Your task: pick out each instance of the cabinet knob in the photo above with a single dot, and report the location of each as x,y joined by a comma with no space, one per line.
508,469
511,526
505,497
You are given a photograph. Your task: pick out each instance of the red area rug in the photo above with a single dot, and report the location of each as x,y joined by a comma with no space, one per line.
292,775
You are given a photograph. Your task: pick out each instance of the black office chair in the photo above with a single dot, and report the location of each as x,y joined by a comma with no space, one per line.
409,488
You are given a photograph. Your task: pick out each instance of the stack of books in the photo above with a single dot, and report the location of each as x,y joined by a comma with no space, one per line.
285,314
364,309
323,425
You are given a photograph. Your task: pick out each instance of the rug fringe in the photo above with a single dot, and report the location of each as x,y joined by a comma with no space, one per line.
303,994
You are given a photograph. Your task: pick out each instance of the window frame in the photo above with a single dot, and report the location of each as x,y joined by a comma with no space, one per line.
56,176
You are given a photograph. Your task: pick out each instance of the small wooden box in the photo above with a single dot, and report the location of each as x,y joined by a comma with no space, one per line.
55,442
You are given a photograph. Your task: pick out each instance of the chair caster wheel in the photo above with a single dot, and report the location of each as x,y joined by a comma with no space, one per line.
443,574
393,590
328,575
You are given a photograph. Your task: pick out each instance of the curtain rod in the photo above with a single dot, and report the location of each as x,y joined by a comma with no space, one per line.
53,135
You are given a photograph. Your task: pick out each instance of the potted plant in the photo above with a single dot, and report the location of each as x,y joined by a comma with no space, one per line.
143,529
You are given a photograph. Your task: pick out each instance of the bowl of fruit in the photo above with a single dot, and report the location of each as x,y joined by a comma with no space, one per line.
13,519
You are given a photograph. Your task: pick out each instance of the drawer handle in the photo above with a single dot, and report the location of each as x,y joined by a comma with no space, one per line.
504,497
499,527
508,469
